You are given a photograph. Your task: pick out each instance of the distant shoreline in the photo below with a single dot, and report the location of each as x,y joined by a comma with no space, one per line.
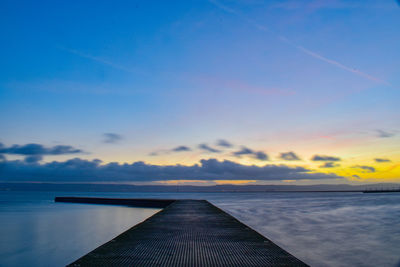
92,187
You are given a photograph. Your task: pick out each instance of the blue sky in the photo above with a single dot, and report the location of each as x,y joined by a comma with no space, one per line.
313,77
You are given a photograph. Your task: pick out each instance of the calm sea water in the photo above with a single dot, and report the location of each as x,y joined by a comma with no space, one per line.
35,231
322,229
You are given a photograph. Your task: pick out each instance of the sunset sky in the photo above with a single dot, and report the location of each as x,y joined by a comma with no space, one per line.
200,92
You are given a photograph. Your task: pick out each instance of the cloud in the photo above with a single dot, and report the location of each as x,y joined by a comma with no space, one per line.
243,151
384,134
289,156
329,165
255,154
33,159
364,168
173,150
37,149
208,148
260,155
379,160
79,170
181,148
325,158
2,157
112,138
224,143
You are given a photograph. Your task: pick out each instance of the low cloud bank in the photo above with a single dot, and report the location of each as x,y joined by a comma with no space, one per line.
211,169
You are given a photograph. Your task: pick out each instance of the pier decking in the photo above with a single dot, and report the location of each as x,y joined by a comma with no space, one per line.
134,202
188,233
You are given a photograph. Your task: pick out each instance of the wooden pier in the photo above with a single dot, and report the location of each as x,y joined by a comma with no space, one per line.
186,233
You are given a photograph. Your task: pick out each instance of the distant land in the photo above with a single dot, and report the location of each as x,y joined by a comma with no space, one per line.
93,187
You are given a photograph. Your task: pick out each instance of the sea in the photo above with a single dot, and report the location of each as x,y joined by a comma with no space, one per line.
321,229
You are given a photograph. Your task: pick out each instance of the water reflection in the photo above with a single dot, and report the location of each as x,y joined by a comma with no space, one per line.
322,229
55,234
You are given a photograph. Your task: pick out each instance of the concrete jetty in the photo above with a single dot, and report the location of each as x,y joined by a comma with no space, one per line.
133,202
186,233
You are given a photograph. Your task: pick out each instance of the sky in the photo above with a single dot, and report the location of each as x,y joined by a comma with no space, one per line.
200,92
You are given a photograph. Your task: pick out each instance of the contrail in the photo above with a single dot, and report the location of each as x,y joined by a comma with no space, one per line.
339,65
101,60
298,47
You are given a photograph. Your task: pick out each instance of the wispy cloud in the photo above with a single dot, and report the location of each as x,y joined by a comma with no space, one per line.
112,138
260,155
384,134
364,168
298,47
324,158
380,160
329,165
224,143
177,149
243,151
181,148
289,156
207,148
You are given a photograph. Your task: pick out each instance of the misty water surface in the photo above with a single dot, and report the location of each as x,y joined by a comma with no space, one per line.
322,229
326,229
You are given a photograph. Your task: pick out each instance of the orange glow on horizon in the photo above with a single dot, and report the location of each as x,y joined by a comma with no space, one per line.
234,182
